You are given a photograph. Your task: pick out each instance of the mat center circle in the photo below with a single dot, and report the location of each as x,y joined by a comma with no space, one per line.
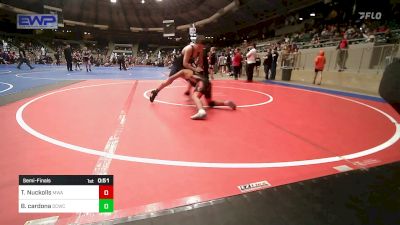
268,100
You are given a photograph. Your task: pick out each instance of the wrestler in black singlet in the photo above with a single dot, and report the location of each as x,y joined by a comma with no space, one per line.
177,65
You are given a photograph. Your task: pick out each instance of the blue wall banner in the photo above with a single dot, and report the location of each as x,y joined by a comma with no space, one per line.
37,21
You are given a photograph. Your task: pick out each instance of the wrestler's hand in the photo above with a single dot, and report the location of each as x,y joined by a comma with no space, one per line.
199,70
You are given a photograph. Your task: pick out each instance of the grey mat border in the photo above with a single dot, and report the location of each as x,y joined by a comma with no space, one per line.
11,98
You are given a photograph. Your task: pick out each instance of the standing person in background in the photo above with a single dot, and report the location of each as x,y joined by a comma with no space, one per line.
296,55
284,55
228,62
237,63
2,61
319,65
242,64
222,63
68,57
258,64
22,57
251,62
206,64
43,52
77,60
86,55
121,62
212,62
342,53
5,46
57,56
267,63
275,56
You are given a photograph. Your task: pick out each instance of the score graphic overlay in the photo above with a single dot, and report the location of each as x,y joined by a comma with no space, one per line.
66,194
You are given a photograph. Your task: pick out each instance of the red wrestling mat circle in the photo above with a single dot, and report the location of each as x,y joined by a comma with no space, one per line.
162,159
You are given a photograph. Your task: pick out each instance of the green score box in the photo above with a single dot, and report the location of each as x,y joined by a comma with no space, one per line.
106,205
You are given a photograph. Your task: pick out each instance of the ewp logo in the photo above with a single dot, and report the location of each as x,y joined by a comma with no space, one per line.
370,15
37,21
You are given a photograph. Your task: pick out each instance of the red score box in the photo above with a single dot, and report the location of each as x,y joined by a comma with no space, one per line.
106,192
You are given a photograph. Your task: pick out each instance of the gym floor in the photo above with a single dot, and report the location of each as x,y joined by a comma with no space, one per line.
282,135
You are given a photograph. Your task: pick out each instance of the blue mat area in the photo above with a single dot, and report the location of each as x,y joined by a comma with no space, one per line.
342,93
13,80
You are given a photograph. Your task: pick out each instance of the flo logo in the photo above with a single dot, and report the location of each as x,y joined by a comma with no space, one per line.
370,15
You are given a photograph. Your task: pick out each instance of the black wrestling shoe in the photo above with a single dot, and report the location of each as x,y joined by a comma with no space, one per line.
153,95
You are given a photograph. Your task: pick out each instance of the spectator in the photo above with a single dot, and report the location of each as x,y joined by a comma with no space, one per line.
68,57
22,57
213,62
228,62
267,63
258,64
369,37
251,62
237,63
87,57
284,56
342,54
295,57
77,59
5,45
1,57
121,62
319,65
12,57
222,63
6,57
275,56
43,51
389,37
57,56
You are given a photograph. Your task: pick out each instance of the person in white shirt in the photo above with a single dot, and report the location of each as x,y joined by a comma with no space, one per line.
5,45
43,51
222,63
251,62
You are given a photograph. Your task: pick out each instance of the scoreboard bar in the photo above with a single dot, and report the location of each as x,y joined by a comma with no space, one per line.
66,194
66,179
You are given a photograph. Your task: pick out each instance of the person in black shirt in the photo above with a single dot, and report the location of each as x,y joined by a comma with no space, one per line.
68,57
121,62
267,63
22,57
212,62
229,62
206,65
275,56
57,56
